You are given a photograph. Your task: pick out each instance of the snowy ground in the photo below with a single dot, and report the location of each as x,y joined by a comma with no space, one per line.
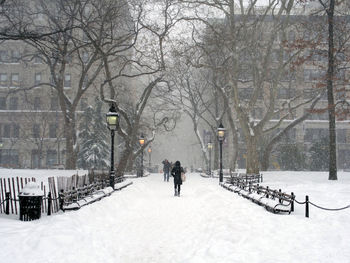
146,223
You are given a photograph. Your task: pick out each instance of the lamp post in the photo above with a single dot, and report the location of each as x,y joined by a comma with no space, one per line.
112,121
149,158
142,142
210,146
221,137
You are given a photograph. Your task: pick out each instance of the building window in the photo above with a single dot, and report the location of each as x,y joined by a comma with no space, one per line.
37,78
341,136
13,103
313,135
3,56
54,103
85,57
245,93
14,79
36,131
67,81
85,81
15,131
52,130
68,59
51,157
291,36
3,79
311,75
7,131
15,56
286,93
10,158
37,103
38,60
2,103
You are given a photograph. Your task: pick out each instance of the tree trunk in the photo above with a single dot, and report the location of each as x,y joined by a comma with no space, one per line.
71,151
330,96
252,156
265,162
123,163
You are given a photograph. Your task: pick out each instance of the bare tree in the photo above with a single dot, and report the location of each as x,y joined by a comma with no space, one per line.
143,72
251,56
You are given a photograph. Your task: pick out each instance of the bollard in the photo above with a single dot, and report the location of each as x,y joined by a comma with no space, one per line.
279,196
49,201
7,208
307,206
292,203
61,199
258,189
267,192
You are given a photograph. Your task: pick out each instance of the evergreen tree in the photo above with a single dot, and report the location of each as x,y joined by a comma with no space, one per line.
94,147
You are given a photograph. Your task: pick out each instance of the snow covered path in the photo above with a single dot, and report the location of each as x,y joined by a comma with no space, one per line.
146,223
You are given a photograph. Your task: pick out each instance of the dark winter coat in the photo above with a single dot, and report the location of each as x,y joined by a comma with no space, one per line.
166,167
176,172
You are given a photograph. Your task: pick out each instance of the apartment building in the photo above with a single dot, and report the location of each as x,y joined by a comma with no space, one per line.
296,82
32,131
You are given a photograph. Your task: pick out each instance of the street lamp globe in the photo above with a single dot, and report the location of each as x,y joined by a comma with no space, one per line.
142,140
210,145
112,118
221,132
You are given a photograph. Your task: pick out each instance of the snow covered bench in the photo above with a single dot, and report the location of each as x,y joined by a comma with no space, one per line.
247,178
76,198
273,200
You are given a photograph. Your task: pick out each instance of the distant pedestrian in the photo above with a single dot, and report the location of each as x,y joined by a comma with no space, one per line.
176,173
166,170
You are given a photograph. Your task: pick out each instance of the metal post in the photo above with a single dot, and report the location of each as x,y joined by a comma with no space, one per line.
61,199
210,161
307,206
141,173
149,163
111,174
292,203
221,174
7,208
49,200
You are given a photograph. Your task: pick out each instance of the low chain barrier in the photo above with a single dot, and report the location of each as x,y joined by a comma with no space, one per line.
307,204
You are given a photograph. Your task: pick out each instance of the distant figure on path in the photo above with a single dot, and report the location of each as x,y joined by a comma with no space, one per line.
166,170
176,173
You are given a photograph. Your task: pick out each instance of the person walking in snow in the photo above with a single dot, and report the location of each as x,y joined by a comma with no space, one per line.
166,170
176,173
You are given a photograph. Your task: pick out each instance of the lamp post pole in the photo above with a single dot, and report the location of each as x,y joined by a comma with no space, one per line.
112,173
210,146
221,173
112,121
141,164
221,136
142,142
149,158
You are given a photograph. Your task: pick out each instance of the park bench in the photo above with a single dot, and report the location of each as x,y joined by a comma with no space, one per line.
274,201
248,178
